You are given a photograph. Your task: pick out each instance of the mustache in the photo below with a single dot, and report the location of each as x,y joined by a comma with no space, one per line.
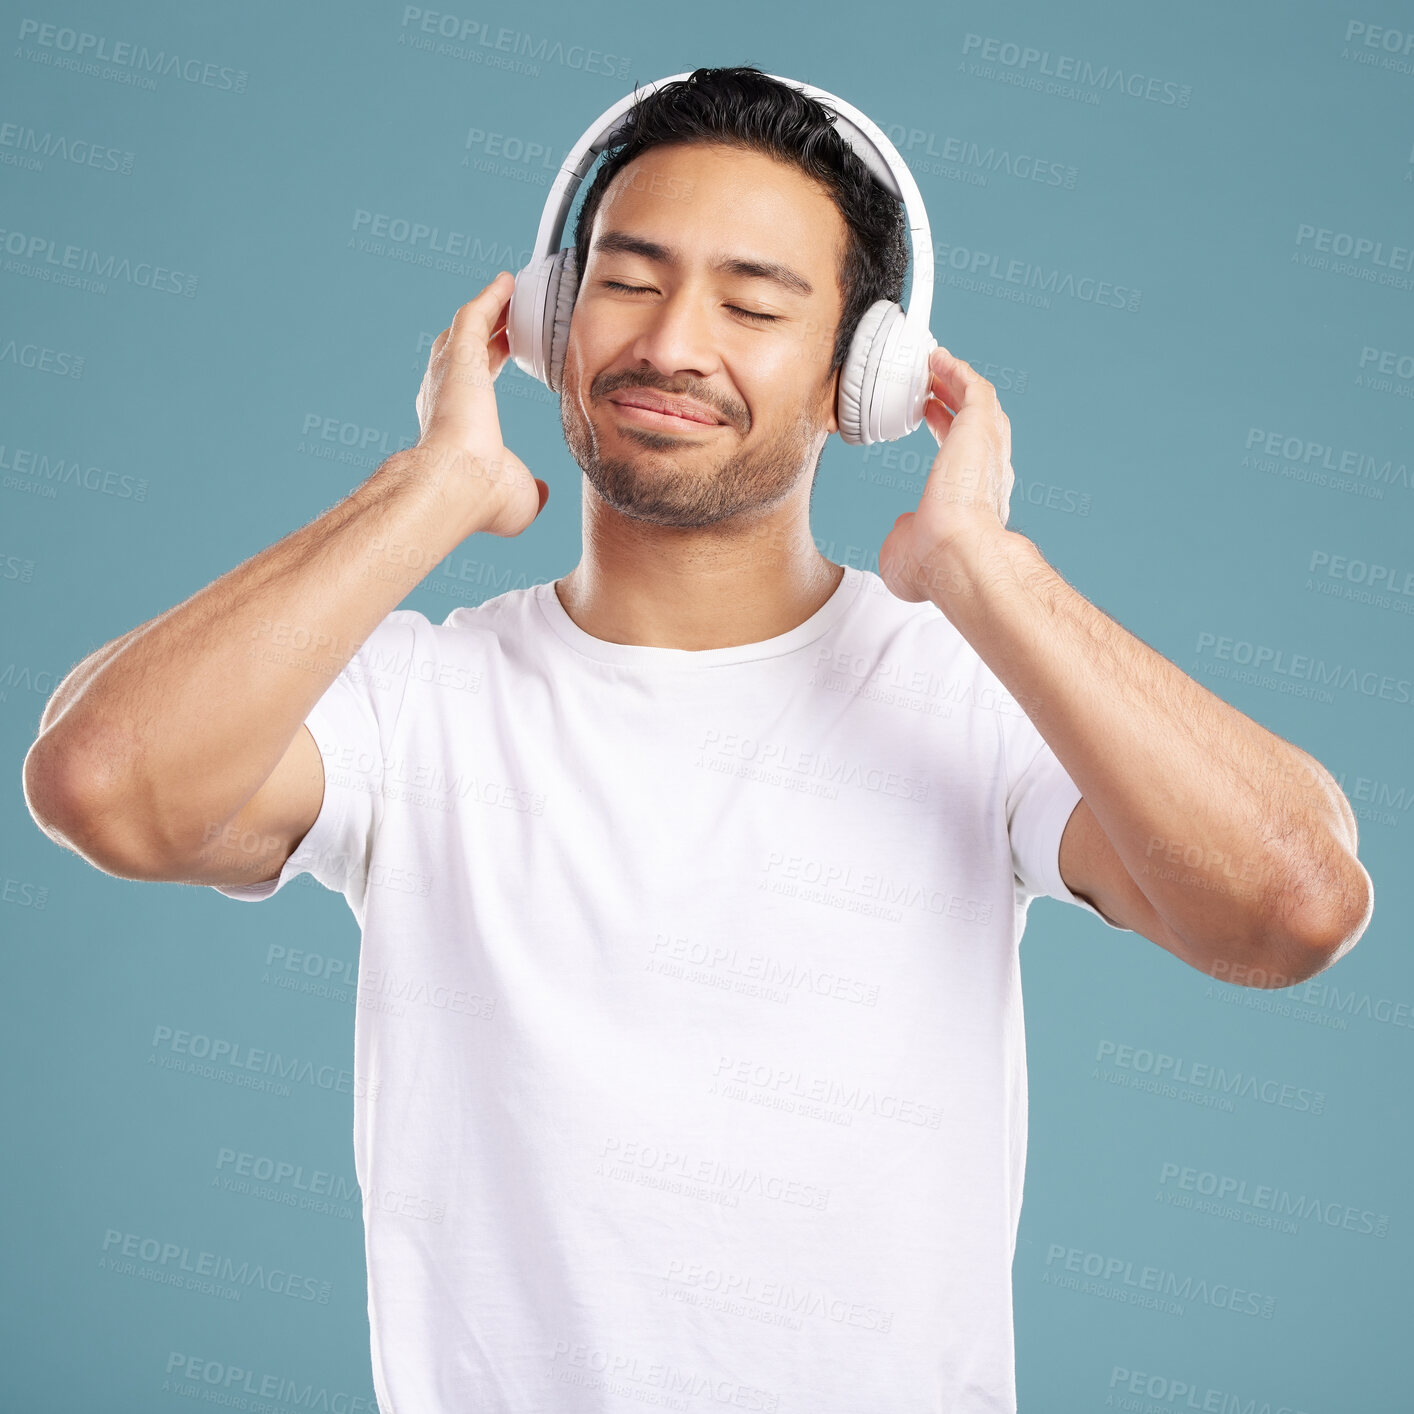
732,413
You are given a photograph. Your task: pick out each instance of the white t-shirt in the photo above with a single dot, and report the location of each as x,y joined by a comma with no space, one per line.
689,1025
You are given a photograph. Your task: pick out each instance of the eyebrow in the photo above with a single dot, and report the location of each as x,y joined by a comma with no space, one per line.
621,242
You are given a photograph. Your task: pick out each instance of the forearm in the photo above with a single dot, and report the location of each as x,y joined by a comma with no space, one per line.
78,676
1234,836
182,719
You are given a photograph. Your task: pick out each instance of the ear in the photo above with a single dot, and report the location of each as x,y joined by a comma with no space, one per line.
833,424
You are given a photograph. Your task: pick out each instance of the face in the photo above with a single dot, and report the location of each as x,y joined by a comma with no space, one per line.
712,284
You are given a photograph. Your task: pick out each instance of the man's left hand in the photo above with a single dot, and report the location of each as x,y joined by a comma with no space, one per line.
968,492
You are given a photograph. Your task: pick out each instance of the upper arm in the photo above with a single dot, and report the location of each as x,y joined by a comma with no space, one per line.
263,834
1090,868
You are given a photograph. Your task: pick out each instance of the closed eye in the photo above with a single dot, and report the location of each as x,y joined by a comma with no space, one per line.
736,309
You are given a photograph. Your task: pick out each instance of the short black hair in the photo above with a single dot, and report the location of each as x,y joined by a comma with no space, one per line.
748,108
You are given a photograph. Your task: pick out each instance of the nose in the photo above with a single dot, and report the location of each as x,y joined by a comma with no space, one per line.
676,335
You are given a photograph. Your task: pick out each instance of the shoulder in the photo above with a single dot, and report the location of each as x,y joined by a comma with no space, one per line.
499,612
887,627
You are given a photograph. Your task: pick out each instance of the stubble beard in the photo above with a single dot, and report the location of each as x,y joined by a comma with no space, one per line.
668,484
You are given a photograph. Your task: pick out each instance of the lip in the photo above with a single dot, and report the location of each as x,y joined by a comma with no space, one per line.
666,411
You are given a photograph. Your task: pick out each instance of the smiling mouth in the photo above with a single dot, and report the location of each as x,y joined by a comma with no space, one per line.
656,417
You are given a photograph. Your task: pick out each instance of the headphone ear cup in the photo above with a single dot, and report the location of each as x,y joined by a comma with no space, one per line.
525,319
560,298
857,377
906,381
899,367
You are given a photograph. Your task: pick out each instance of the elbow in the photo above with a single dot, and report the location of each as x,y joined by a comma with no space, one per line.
110,822
69,804
53,793
1348,912
1284,945
1330,920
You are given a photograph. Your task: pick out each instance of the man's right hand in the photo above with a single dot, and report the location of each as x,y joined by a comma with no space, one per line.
456,408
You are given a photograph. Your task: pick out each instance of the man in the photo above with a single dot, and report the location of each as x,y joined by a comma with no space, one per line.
690,1051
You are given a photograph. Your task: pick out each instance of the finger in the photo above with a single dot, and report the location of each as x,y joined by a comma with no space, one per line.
462,400
938,418
498,351
954,380
1008,483
474,322
477,323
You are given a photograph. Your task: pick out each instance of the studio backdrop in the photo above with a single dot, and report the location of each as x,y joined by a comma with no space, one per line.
1177,239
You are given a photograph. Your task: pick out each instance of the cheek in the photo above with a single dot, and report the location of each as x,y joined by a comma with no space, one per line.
602,324
580,367
789,385
592,347
811,345
773,372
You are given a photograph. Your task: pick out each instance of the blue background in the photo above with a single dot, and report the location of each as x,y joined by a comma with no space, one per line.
225,415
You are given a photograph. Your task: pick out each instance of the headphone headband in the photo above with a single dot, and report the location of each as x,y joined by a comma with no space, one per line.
861,133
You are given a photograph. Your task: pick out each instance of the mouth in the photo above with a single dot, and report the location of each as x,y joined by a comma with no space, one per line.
654,410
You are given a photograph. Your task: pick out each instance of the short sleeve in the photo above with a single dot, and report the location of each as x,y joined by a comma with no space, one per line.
353,725
1040,800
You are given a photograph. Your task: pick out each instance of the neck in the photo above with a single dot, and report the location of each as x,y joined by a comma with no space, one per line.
716,586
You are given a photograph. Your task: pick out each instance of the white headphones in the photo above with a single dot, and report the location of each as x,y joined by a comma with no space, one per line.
884,383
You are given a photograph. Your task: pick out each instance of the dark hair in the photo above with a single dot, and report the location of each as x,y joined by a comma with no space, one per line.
746,107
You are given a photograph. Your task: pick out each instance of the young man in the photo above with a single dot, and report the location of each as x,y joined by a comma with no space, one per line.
689,1037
